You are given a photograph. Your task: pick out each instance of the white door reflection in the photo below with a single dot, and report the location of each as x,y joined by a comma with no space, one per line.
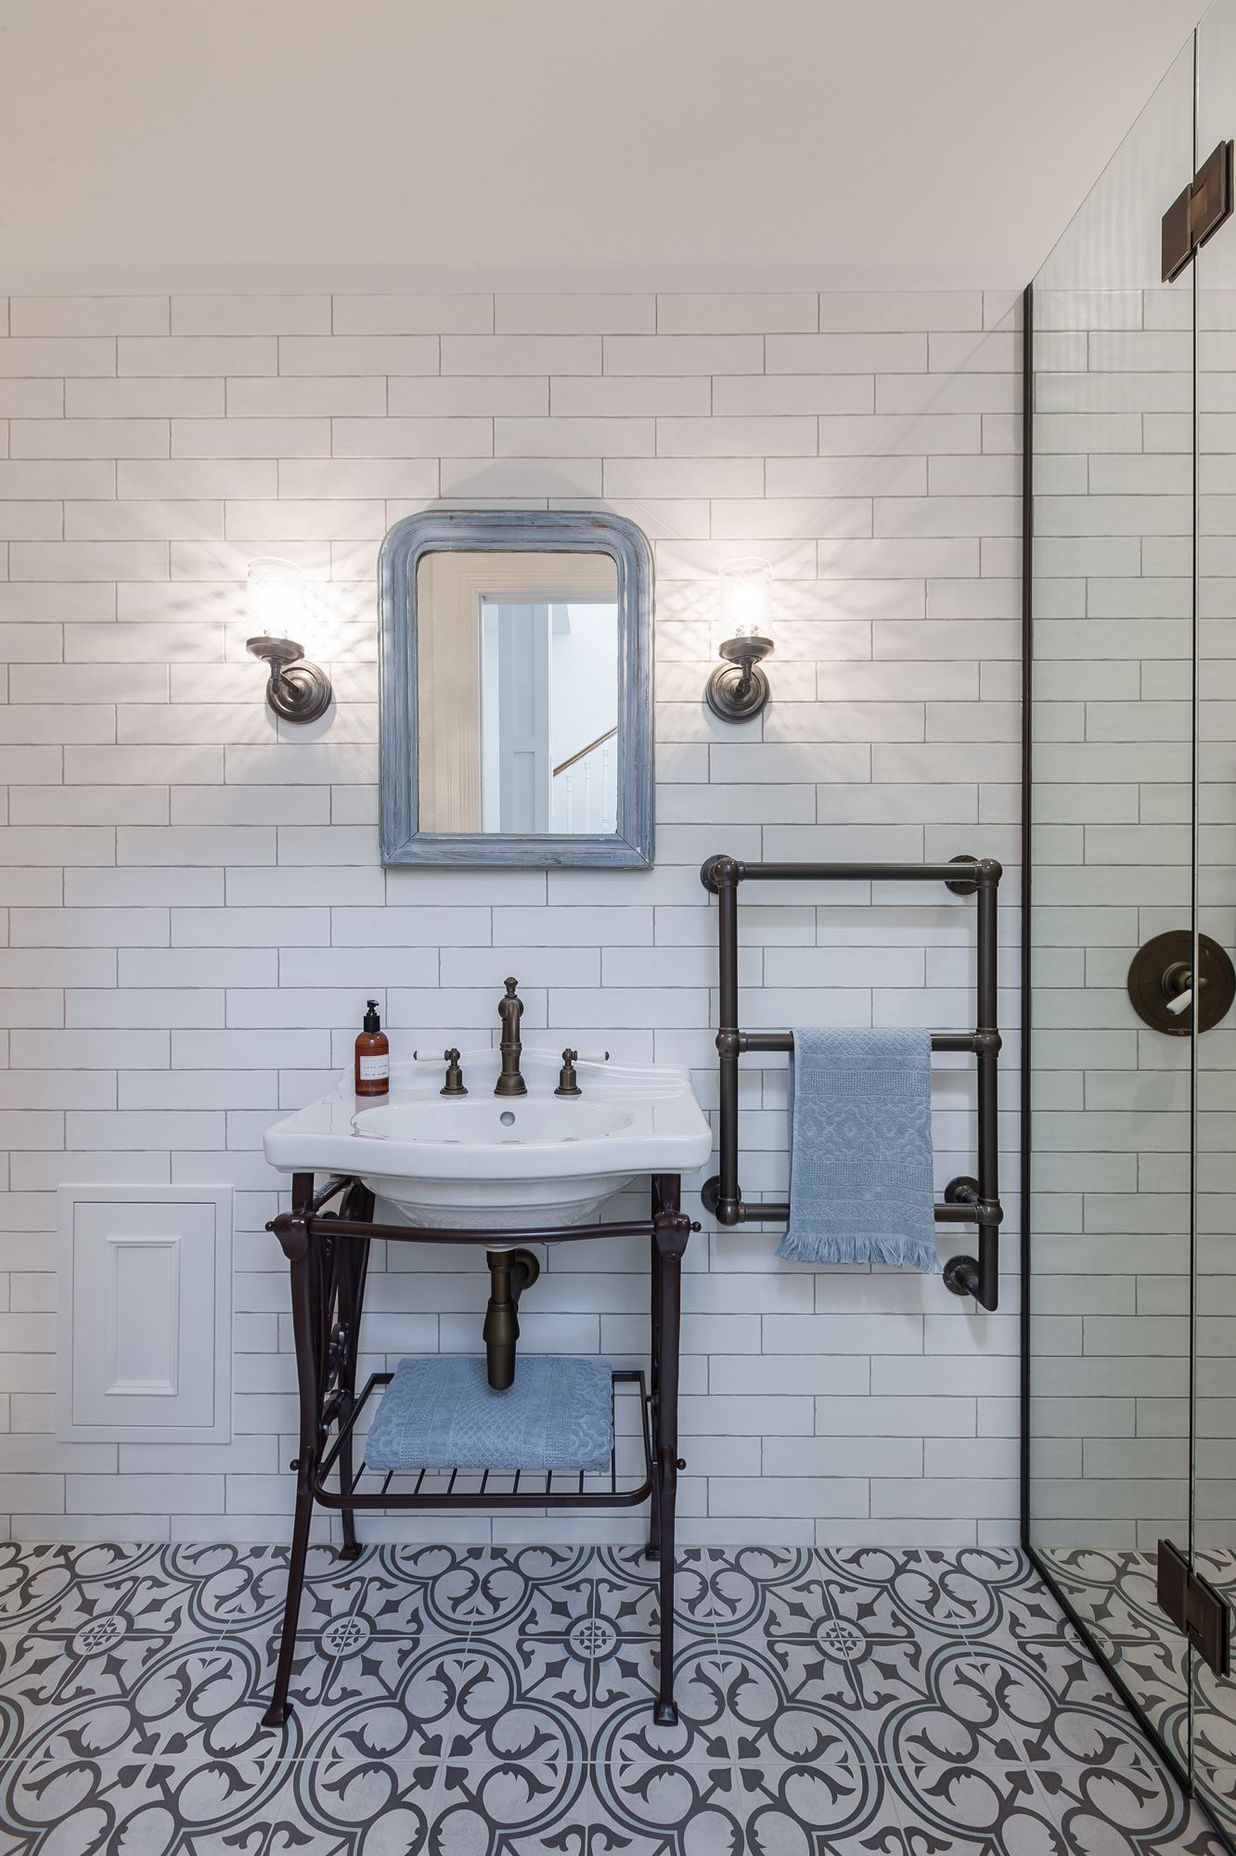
518,691
549,708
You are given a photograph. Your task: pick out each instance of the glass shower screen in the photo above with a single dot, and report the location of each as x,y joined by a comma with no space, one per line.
1130,1276
1111,738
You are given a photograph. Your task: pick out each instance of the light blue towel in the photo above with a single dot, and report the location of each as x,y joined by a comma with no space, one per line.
860,1149
442,1413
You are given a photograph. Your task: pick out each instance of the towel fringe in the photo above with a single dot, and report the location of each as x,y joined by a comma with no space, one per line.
895,1253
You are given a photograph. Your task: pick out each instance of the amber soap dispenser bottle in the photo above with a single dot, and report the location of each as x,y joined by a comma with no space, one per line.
373,1056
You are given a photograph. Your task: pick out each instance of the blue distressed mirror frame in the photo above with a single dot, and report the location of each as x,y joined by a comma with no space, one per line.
630,847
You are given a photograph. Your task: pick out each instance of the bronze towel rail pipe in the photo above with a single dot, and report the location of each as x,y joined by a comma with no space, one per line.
966,1201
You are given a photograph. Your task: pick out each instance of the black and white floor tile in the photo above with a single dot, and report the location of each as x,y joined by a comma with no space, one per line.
1115,1593
486,1702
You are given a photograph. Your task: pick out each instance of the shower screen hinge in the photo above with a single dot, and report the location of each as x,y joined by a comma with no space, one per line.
1194,1607
1198,211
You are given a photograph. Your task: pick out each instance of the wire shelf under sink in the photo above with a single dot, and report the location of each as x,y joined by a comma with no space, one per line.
625,1483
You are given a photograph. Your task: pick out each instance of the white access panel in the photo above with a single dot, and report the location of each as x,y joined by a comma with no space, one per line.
145,1322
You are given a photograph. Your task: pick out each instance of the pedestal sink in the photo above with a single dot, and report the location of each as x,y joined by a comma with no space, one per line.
494,1161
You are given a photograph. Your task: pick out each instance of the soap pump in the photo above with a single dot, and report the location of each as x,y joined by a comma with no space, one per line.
373,1056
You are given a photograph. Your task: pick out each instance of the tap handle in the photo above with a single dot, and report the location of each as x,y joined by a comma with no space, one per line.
1178,986
454,1084
568,1082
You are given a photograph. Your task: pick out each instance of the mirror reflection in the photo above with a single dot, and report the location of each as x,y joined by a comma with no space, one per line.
517,693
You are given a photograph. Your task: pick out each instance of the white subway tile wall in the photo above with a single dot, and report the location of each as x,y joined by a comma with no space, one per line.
195,909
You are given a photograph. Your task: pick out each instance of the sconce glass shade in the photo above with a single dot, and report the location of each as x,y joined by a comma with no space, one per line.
737,690
277,598
746,595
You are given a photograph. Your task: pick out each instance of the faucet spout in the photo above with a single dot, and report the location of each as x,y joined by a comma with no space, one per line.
510,1010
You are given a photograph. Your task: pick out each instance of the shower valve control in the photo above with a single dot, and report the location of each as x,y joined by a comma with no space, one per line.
1163,986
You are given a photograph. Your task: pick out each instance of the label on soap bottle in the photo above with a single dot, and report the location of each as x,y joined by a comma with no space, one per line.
374,1069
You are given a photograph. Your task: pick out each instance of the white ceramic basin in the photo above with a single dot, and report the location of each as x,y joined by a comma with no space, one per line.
499,1161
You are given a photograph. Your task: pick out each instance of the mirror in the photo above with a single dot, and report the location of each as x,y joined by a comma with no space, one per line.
515,690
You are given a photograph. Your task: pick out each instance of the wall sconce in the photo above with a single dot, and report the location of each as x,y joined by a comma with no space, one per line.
737,690
295,690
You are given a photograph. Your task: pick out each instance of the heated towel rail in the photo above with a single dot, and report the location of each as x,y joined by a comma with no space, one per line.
966,1201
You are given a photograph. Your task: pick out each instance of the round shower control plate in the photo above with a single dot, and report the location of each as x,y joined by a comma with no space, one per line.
1158,970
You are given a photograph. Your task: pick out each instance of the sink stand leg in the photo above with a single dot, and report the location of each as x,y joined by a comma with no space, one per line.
308,1325
670,1232
353,1264
653,1550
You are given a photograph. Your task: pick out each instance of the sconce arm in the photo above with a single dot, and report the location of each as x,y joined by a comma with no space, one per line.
295,690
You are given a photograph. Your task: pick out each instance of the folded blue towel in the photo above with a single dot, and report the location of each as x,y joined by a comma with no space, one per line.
442,1413
860,1149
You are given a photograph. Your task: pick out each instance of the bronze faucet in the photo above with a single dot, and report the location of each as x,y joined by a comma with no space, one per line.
510,1011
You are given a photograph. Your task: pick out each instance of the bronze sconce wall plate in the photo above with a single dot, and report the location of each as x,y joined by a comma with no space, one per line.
738,689
295,690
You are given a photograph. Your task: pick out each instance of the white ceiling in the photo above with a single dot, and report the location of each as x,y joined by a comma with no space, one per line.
577,143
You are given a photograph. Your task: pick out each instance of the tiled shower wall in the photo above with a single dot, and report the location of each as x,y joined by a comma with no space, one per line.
196,911
1112,738
1117,1237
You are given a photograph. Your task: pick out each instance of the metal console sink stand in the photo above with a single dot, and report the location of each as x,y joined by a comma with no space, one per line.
328,1251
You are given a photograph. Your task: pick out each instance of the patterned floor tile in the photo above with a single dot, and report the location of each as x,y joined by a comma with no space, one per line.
31,1577
949,1594
957,1720
1114,1592
511,1808
1214,1742
1022,1610
626,1733
664,1808
387,1805
1063,1707
85,1805
736,1584
1107,1810
1216,1786
73,1672
839,1801
500,1713
700,1576
197,1700
141,1599
252,1587
838,1664
488,1702
1149,1661
955,1806
787,1808
366,1636
452,1582
573,1637
510,1580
